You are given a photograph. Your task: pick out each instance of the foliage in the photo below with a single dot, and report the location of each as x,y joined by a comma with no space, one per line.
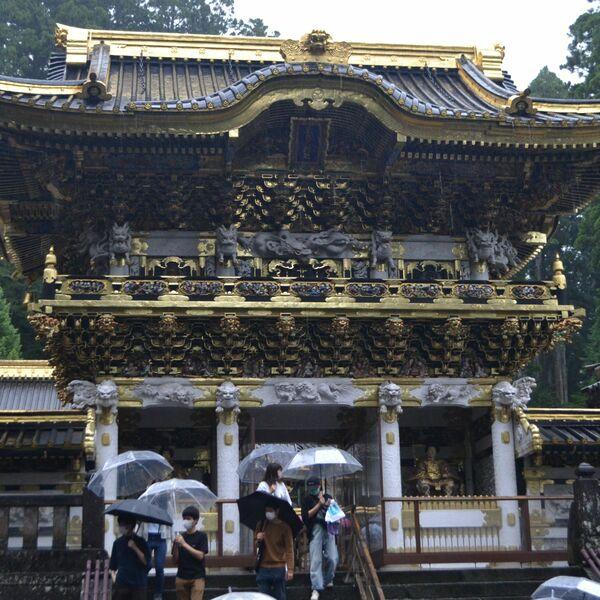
13,291
584,57
10,341
548,85
27,26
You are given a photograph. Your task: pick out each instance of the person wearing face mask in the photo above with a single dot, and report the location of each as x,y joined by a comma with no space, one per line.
276,566
189,550
322,547
273,483
129,563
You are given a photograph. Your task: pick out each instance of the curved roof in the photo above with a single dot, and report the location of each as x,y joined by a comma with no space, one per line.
97,72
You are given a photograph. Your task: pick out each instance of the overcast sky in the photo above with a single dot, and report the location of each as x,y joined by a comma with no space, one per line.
533,31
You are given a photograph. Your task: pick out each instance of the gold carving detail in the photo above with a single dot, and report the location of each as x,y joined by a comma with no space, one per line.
60,37
316,46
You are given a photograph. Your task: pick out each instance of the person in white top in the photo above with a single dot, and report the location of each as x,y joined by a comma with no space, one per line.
273,483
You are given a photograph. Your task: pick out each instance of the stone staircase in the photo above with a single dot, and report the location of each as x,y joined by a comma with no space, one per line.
467,584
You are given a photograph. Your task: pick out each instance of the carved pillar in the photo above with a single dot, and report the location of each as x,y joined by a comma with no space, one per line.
391,484
228,458
505,474
103,399
107,446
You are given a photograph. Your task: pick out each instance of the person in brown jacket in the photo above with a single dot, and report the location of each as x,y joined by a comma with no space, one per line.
276,555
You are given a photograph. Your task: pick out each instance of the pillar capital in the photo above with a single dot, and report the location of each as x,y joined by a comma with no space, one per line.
228,403
104,397
390,401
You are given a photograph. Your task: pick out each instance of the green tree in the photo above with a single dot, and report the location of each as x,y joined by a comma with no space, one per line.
27,26
584,49
14,292
548,85
27,30
10,342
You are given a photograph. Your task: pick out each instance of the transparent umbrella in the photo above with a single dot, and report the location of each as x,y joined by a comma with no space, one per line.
252,468
324,462
243,596
133,471
173,495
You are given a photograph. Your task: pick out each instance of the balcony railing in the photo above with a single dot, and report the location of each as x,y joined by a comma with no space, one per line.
281,289
471,529
51,522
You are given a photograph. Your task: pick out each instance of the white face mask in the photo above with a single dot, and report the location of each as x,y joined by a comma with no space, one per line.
270,515
188,524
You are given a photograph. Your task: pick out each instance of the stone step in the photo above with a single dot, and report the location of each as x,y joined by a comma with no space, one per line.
468,584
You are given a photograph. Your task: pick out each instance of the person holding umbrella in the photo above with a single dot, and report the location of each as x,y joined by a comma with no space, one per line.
275,563
272,483
129,562
322,547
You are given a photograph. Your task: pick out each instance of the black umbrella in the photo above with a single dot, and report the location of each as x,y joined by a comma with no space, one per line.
252,511
140,511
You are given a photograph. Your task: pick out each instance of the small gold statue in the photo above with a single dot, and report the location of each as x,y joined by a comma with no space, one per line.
433,474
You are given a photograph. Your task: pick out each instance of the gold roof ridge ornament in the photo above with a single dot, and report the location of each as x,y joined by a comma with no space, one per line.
316,46
520,104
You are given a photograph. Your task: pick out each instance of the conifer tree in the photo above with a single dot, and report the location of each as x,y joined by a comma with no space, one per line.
10,342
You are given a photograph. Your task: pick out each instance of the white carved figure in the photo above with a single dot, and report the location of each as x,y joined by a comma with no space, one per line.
524,387
301,246
390,398
514,395
308,392
489,247
227,238
381,250
228,398
439,394
167,391
119,242
103,396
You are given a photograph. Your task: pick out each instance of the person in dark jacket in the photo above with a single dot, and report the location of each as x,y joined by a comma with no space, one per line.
321,544
129,563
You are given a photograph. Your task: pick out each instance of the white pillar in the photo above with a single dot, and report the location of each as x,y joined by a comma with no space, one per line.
391,484
505,475
107,446
228,458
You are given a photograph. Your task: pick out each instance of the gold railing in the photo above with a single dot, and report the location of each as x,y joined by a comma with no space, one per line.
281,289
459,529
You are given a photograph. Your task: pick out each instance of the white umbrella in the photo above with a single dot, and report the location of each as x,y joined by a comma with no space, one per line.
252,468
323,462
173,495
134,471
243,596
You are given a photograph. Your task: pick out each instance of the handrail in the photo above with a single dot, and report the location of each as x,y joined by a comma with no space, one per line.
470,498
361,564
592,559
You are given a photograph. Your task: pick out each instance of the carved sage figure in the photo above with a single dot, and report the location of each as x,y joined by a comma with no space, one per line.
104,396
227,239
